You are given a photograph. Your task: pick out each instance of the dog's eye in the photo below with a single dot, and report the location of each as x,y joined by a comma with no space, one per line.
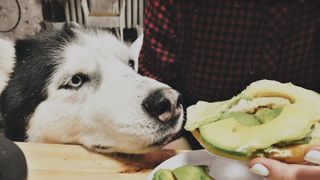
76,81
131,63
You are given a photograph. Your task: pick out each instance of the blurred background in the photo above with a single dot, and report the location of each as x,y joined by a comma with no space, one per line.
25,18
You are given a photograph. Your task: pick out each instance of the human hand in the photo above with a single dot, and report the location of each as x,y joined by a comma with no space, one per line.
273,169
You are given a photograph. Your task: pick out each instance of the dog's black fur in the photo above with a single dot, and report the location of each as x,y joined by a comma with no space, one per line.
36,59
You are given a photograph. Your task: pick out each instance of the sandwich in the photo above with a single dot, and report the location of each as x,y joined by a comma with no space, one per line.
267,119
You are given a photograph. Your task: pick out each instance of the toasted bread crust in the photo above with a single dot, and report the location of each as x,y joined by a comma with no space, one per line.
297,151
292,154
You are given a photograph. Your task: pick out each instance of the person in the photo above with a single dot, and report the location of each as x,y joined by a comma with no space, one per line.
211,50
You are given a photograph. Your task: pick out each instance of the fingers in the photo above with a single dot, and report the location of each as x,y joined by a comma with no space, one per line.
316,147
312,155
273,169
304,172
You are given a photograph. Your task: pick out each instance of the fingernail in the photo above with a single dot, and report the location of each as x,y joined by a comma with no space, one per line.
260,170
313,156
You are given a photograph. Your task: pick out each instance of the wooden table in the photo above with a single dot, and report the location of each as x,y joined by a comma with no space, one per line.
73,162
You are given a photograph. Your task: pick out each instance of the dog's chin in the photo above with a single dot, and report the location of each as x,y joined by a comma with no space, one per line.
164,140
157,144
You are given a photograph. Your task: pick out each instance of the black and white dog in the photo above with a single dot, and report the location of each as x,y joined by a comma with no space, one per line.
75,86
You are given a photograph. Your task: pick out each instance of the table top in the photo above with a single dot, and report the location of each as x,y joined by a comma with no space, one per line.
57,161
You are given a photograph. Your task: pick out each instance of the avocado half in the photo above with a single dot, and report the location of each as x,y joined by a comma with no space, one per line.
186,172
267,119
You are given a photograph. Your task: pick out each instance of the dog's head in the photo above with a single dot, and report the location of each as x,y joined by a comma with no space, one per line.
75,86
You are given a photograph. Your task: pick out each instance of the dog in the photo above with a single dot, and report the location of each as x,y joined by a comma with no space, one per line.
75,86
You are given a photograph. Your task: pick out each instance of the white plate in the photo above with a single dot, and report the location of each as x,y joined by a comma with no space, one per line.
220,168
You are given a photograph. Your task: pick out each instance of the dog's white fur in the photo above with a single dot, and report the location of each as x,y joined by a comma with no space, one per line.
104,112
7,56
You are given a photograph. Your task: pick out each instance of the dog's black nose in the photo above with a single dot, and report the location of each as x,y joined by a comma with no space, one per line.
164,104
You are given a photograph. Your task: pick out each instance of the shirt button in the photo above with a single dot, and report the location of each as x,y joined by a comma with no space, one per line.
195,7
238,4
251,72
172,36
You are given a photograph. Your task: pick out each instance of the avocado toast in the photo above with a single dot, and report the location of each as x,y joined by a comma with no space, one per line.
268,118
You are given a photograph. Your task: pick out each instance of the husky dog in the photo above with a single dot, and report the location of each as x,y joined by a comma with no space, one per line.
75,86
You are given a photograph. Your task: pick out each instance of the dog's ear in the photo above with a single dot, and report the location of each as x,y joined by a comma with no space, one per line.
72,25
7,61
135,49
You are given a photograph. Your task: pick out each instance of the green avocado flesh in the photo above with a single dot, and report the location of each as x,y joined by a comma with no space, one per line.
262,116
187,172
242,118
243,132
266,114
164,174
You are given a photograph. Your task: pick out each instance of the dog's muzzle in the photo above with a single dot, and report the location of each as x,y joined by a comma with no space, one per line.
164,105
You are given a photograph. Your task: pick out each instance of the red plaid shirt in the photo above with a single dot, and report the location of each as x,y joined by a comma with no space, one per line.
211,50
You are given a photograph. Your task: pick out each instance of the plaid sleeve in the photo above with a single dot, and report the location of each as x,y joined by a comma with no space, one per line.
157,58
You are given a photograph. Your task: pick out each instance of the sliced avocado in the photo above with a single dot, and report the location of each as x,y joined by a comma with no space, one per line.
192,172
242,117
305,140
204,112
235,138
266,114
164,174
